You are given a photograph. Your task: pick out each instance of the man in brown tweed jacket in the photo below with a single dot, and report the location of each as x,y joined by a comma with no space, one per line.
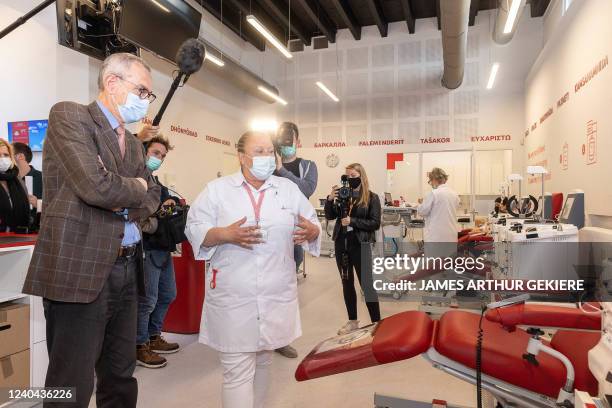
87,263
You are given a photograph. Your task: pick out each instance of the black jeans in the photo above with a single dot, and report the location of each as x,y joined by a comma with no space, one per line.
364,275
98,336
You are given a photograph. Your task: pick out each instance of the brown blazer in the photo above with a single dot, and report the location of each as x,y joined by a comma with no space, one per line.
85,178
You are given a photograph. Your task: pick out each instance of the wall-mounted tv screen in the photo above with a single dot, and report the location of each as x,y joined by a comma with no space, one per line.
30,132
160,26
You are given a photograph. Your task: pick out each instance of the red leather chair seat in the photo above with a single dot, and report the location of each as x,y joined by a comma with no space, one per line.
398,337
575,345
501,353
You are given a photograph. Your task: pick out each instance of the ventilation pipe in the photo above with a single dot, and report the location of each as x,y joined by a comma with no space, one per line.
454,21
508,14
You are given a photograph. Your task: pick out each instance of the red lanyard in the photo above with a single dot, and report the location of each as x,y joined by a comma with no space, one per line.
256,206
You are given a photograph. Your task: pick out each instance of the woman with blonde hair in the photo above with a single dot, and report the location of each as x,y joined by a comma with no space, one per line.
14,203
355,229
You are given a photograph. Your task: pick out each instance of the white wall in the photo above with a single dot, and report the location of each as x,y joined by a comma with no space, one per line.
37,73
577,42
390,90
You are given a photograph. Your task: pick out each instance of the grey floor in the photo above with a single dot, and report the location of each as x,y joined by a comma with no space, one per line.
192,377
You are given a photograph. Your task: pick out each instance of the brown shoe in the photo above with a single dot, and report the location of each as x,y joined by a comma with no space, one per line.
161,346
147,358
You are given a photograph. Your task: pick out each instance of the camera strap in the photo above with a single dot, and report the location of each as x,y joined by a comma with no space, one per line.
256,205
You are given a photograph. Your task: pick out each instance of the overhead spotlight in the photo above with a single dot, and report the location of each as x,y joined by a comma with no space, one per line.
263,125
327,91
252,20
214,60
272,95
492,75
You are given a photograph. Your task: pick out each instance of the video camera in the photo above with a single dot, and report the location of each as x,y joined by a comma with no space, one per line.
344,194
285,135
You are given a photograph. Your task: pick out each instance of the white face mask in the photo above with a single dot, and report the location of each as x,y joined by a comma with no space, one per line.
263,167
5,164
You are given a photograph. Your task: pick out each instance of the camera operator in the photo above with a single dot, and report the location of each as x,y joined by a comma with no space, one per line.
357,212
303,173
160,287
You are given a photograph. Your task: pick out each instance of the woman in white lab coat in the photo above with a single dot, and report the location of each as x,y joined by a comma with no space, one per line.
439,209
246,224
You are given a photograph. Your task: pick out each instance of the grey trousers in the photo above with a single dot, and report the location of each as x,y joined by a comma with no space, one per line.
100,337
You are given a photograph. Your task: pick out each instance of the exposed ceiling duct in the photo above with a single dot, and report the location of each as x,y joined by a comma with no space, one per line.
508,14
454,22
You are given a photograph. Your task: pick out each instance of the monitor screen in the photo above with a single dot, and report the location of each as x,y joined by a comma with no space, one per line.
30,132
160,26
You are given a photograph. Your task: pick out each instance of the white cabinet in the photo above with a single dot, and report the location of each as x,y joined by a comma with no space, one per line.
14,262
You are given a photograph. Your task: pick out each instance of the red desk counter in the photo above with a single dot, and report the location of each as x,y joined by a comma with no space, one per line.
10,240
185,312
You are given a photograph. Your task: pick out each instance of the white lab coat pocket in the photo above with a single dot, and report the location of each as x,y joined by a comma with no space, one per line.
218,279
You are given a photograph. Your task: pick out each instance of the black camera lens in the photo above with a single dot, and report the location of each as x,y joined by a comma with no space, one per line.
344,193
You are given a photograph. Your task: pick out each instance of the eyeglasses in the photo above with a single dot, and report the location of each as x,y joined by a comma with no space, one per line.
143,93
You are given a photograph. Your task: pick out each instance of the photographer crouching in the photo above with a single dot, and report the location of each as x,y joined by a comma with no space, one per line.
357,212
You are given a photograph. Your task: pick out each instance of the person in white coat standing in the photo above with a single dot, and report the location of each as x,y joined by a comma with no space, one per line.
246,224
439,209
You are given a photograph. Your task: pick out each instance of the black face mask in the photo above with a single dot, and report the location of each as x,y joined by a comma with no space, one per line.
354,182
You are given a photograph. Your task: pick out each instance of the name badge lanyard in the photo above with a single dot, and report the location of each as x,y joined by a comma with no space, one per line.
257,211
256,205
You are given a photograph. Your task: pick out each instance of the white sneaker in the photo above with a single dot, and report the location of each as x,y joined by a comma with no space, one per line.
350,326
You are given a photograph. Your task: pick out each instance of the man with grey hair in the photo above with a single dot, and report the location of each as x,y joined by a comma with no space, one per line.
87,263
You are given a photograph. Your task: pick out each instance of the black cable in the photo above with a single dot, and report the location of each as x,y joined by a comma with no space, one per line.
479,340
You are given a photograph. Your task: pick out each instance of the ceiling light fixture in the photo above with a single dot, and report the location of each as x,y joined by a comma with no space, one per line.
214,60
327,91
160,6
272,95
512,15
252,20
493,74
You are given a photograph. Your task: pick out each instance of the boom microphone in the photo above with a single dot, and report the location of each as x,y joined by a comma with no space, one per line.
189,59
190,56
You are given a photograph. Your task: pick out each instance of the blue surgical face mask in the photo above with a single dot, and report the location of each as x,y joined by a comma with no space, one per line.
153,163
288,151
134,108
263,167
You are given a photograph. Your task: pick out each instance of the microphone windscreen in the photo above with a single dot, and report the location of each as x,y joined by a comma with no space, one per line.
344,178
190,56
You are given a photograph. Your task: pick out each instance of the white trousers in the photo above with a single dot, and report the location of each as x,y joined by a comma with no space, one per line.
245,378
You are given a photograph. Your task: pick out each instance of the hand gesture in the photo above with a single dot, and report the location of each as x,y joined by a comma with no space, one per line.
307,231
334,193
148,132
245,237
346,221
